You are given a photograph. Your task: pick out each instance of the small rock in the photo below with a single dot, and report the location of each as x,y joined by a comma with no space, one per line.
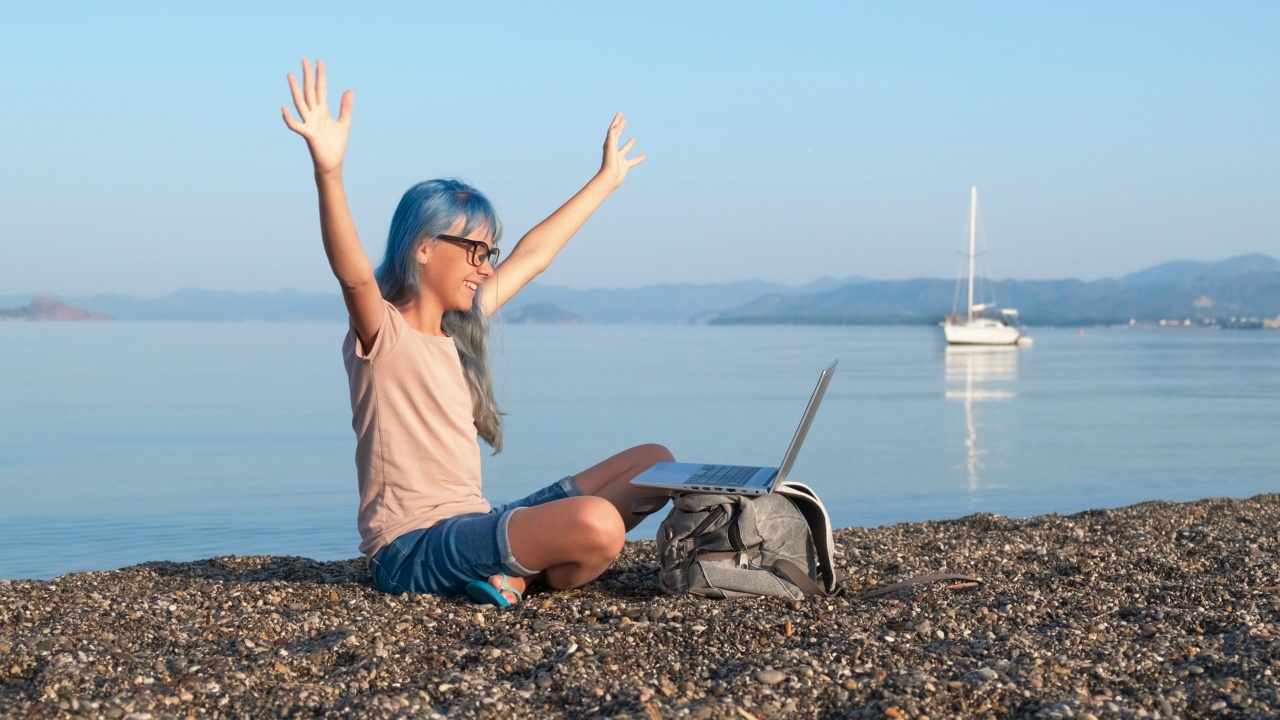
769,677
983,674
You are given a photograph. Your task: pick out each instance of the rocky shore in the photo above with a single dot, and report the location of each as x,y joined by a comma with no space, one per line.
1152,611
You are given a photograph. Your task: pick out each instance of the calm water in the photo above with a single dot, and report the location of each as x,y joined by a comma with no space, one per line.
127,442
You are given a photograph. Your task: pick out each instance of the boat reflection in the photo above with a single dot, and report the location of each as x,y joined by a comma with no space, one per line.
978,374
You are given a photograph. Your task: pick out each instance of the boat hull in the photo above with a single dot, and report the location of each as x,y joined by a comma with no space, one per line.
980,332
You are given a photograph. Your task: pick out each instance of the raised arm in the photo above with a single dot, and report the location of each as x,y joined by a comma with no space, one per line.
327,140
539,246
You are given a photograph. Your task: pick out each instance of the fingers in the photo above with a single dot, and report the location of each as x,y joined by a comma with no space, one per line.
289,121
308,84
615,129
344,110
626,148
298,101
311,97
322,92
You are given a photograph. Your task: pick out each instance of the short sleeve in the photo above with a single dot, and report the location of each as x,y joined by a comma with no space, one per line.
388,336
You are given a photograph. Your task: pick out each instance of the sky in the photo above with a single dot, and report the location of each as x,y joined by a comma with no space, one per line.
142,148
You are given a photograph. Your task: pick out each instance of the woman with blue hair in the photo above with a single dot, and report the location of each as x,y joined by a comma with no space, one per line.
422,390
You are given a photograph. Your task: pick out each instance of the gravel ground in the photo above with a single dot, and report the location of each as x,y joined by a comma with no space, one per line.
1152,611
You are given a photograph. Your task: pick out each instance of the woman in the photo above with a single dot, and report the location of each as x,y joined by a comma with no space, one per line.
421,387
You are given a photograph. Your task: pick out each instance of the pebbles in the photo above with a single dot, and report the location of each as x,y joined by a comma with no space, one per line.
1156,610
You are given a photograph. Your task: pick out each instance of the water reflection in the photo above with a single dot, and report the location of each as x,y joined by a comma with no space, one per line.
979,374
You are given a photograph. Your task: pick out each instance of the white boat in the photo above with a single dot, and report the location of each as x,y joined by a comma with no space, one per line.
982,324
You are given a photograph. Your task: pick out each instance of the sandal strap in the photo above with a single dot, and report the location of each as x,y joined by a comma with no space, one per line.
506,587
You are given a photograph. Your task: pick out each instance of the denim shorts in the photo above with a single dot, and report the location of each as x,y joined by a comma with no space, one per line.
443,558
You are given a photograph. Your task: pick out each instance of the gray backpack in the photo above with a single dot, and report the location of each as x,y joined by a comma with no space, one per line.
780,545
724,546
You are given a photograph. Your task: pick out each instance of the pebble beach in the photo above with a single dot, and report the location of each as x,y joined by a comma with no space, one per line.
1157,610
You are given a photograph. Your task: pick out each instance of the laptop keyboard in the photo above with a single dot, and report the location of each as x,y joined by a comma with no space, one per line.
724,475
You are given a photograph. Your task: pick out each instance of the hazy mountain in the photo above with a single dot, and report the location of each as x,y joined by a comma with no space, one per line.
1190,271
655,304
45,309
663,304
1242,286
209,305
541,314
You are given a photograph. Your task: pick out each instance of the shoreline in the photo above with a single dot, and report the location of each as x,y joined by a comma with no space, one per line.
1158,609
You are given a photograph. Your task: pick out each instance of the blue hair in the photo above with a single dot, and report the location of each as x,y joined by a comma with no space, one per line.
427,210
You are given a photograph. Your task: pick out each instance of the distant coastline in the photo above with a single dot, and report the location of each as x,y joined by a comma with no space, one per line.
1237,293
43,308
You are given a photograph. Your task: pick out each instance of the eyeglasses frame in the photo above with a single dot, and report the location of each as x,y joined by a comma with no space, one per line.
473,256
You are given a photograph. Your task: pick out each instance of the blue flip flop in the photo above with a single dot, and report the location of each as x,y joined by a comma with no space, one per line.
485,594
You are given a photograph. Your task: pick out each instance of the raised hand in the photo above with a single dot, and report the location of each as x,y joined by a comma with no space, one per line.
326,136
615,164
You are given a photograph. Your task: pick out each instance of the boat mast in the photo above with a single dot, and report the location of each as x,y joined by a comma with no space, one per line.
973,226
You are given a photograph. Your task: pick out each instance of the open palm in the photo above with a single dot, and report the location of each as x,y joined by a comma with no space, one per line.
326,136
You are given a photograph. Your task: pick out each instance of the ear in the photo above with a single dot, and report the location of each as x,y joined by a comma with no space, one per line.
424,251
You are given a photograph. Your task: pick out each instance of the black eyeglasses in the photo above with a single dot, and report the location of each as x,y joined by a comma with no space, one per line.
479,251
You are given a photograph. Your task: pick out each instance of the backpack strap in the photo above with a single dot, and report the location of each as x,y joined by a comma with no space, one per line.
815,514
917,580
824,546
800,578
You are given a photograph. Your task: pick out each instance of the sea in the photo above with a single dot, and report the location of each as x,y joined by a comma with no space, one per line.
123,443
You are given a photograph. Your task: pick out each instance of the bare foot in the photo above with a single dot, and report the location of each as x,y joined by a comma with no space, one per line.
513,582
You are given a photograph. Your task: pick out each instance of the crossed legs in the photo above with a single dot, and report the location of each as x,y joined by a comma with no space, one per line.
572,541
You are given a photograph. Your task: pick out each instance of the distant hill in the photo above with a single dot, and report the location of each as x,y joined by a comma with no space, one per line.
1184,271
656,304
212,306
46,309
1245,286
665,304
540,314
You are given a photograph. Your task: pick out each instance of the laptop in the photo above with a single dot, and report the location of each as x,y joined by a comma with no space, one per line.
677,477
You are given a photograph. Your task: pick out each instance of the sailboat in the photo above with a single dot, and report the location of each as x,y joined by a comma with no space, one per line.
981,325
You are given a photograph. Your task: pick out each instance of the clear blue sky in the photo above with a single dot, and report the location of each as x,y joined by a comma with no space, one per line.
141,148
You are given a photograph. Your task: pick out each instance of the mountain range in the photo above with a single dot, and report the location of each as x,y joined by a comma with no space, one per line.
1245,286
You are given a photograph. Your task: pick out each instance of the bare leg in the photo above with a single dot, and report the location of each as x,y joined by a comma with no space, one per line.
572,541
611,479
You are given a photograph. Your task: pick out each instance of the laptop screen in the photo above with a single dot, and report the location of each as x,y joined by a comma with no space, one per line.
812,409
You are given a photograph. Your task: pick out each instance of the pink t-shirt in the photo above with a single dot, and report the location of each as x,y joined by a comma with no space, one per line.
417,456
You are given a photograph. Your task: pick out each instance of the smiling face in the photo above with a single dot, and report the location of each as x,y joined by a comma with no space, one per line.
449,280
